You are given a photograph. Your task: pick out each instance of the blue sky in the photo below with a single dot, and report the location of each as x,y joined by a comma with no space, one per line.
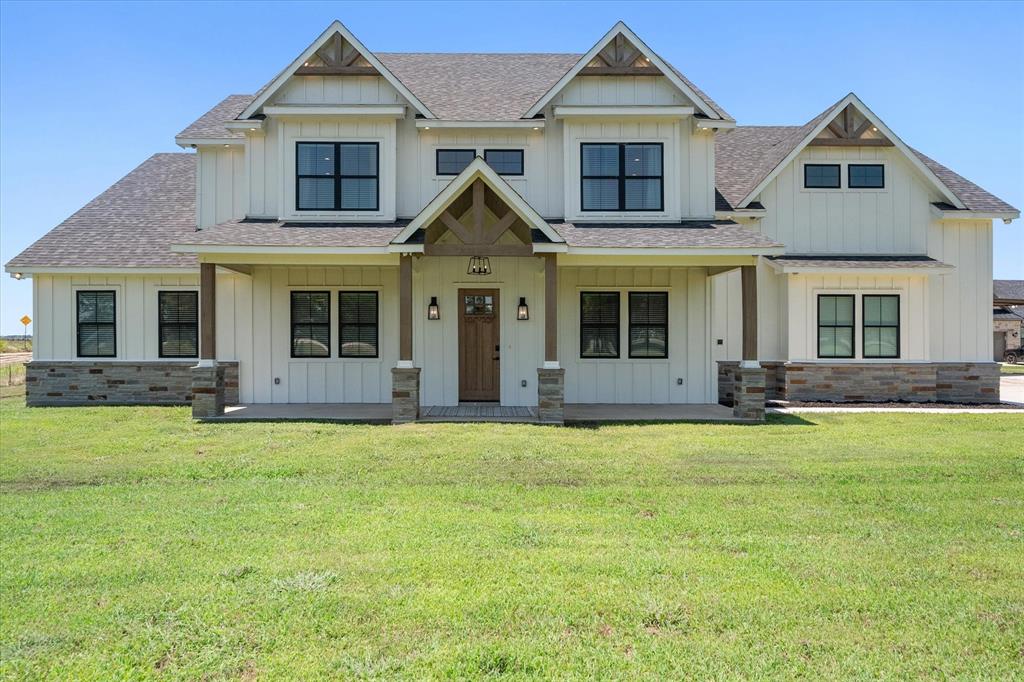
90,90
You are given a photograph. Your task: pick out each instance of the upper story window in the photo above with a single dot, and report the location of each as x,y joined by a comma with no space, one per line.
505,161
866,175
96,324
599,324
337,176
621,177
178,324
453,161
821,175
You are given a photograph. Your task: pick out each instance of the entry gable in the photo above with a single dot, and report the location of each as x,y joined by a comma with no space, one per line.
477,208
848,123
620,52
336,52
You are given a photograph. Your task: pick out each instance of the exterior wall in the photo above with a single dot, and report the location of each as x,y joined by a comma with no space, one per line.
82,382
620,91
221,186
435,342
960,303
626,380
337,90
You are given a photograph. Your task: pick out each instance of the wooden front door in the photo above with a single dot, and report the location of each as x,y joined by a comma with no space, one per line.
479,345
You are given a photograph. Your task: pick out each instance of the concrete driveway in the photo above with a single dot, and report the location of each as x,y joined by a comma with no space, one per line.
1011,389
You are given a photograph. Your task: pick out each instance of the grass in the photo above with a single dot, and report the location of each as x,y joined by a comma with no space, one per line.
1007,369
137,544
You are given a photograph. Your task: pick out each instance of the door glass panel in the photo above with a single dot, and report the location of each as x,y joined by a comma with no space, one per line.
477,304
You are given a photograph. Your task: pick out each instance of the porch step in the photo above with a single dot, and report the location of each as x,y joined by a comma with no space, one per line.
477,412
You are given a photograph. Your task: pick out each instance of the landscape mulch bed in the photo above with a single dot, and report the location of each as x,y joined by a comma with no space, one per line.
898,404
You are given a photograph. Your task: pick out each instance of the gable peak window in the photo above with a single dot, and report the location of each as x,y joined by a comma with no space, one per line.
96,322
178,324
619,177
337,176
453,161
821,176
865,176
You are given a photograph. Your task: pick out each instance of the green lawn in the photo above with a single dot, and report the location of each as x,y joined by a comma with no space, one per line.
1005,369
137,544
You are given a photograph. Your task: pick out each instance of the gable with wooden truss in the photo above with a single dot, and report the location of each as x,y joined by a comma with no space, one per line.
478,213
851,128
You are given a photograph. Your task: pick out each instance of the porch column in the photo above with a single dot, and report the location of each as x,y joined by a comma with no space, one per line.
207,377
551,377
749,388
405,379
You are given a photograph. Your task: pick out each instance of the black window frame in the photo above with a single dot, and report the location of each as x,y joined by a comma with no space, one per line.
342,324
522,161
839,175
852,327
337,177
622,177
437,160
849,175
161,325
617,325
664,326
293,324
865,326
79,323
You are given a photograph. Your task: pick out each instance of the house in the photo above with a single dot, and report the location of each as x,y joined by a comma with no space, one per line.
528,230
1007,319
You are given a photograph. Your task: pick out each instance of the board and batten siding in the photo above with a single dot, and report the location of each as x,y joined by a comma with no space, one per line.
337,90
640,381
221,186
960,303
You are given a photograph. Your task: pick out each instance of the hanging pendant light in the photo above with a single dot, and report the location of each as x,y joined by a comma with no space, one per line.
479,265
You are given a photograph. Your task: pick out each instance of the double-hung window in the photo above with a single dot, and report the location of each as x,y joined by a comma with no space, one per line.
835,326
96,324
621,177
178,324
881,326
648,324
599,324
358,324
311,324
337,176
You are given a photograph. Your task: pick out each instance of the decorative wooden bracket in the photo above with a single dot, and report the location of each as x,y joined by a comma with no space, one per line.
620,58
336,57
472,230
849,135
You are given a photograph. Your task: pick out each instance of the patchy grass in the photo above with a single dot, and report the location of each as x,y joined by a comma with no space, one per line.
137,544
1007,369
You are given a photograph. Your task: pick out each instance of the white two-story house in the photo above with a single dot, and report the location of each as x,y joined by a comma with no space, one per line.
411,232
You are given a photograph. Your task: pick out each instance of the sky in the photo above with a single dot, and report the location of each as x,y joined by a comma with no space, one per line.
90,90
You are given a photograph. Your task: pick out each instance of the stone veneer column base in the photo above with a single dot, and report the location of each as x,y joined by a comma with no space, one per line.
405,394
551,396
748,398
207,392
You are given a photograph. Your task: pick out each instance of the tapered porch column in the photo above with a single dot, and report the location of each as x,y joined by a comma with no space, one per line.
551,377
405,379
749,388
207,378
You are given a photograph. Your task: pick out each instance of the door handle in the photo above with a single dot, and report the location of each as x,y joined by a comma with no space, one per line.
497,353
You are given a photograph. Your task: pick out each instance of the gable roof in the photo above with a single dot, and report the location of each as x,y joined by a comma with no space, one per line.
267,91
1008,290
747,158
211,124
701,100
130,225
478,169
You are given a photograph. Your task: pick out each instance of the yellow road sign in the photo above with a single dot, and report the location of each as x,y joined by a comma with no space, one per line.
25,320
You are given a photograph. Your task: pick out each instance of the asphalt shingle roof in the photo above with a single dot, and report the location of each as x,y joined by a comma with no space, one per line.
283,233
130,225
1008,289
685,234
845,262
211,124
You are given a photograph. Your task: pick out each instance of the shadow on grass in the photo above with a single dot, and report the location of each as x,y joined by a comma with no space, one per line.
770,420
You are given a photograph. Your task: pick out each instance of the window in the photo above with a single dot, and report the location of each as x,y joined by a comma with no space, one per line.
505,161
97,331
599,324
648,324
358,328
454,161
621,177
866,175
881,326
835,326
311,324
178,324
821,175
336,176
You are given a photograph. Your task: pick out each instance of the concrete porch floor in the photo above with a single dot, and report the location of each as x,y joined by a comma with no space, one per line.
380,413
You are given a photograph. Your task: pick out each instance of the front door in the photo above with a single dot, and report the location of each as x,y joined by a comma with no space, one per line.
479,345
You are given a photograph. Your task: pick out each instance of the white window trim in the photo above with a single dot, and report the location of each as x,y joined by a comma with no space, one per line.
153,321
573,169
844,176
119,321
479,151
335,325
858,326
623,324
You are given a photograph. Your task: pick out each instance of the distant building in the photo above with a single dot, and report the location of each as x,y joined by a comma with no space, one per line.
1007,317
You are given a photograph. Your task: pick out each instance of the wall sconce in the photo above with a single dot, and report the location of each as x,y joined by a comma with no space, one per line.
523,311
433,312
479,265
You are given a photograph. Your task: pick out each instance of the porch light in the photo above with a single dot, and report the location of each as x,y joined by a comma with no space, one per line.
433,312
479,265
523,311
18,275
